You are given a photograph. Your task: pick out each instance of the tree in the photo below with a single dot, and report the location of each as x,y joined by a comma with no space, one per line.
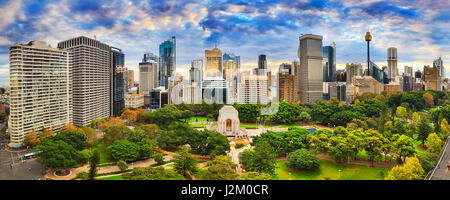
260,159
318,143
433,143
411,170
304,117
429,100
45,134
402,113
403,145
57,154
445,129
184,162
423,129
146,145
124,150
122,165
129,115
159,158
114,133
32,138
339,149
152,173
93,163
85,154
221,168
207,142
255,176
370,107
77,139
68,128
91,135
302,159
152,130
428,160
373,143
343,117
113,121
83,176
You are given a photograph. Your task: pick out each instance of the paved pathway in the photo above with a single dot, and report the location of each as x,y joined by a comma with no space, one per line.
441,172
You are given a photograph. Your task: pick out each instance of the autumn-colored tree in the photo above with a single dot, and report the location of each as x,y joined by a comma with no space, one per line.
429,100
411,170
129,115
32,138
91,135
69,128
445,129
433,143
113,121
46,133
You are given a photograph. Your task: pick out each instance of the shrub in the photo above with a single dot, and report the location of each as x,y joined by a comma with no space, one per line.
302,159
122,165
159,158
83,176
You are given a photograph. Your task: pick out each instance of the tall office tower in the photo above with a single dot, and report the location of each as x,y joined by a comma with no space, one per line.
237,61
128,76
262,62
311,70
287,87
176,87
407,82
148,78
167,61
91,79
253,89
231,76
118,80
213,63
392,62
431,78
40,92
353,69
408,70
196,72
215,89
296,66
329,63
440,65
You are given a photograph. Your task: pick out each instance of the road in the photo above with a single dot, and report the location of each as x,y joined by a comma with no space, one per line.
441,172
12,167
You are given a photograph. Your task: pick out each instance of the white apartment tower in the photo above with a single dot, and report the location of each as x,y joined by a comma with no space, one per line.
40,92
392,62
91,79
252,90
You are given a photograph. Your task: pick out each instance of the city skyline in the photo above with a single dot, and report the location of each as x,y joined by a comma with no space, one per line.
416,28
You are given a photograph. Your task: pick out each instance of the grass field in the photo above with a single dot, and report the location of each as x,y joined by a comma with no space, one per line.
199,119
119,177
198,125
330,170
104,156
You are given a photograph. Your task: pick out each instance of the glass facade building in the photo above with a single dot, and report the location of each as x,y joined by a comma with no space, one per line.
118,89
329,63
167,61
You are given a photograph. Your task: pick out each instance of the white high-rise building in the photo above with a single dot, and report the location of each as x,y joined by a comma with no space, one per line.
392,63
91,79
253,89
40,89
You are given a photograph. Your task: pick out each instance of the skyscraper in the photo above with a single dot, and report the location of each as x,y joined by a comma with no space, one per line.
118,82
262,62
431,78
148,77
311,70
213,63
167,61
91,79
353,69
287,87
392,63
40,92
128,76
329,63
253,89
440,65
408,70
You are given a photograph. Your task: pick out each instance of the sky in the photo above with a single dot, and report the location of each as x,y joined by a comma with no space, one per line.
418,28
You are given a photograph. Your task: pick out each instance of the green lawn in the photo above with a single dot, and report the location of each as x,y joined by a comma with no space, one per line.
199,119
119,177
329,169
198,125
104,156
